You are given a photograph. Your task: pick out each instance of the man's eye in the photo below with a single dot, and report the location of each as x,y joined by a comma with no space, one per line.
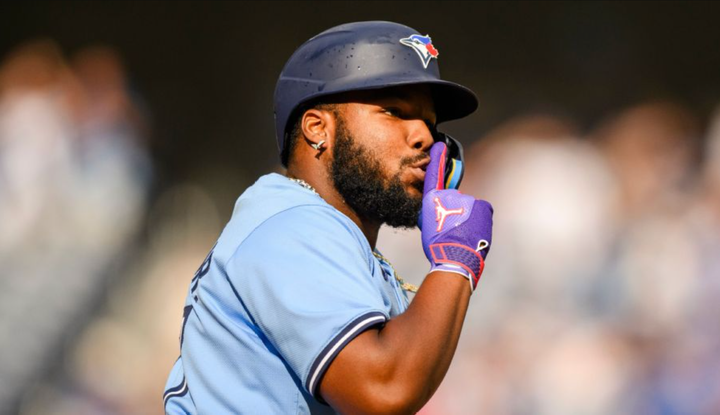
393,112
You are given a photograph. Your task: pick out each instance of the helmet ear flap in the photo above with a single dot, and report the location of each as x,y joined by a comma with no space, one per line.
454,161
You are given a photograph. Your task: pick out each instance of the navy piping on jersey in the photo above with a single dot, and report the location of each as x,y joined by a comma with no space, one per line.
179,390
321,363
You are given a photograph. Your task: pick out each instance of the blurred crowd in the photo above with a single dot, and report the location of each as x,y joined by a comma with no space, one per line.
599,296
74,180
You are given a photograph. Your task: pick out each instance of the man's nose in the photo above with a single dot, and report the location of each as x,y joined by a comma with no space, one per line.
420,136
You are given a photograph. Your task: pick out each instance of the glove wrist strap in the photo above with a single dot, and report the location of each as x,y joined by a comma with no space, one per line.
459,259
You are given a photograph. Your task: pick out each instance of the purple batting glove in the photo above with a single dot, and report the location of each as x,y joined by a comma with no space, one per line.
456,228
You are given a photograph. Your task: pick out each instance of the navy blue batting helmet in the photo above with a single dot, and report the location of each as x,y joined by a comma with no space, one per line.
364,56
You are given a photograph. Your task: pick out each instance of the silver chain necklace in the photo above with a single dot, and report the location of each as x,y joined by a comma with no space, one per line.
304,184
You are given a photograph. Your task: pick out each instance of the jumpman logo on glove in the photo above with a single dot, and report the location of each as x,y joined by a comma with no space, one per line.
442,213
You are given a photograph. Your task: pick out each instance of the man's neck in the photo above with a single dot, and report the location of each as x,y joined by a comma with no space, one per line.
329,193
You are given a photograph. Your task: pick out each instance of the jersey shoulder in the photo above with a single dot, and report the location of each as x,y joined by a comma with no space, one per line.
285,212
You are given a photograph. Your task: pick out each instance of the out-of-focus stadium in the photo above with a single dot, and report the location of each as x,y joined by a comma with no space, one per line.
128,129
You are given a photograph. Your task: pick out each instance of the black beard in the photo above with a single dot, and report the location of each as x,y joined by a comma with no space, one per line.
359,179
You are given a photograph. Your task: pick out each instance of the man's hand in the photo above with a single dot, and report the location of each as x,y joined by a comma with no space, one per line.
456,228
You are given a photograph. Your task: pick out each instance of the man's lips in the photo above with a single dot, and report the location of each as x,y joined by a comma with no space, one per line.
418,168
422,164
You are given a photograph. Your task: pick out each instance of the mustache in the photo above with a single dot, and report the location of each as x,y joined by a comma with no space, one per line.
409,161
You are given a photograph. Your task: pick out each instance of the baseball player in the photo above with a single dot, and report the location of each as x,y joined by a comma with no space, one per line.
294,310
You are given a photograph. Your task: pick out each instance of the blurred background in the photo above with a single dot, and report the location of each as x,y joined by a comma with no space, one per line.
128,129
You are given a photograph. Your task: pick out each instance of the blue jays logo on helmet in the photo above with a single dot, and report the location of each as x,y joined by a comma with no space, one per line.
423,46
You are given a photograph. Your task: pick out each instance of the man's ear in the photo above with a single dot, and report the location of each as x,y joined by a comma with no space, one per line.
318,126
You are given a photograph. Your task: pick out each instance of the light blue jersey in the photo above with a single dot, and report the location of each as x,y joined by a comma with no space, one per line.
289,283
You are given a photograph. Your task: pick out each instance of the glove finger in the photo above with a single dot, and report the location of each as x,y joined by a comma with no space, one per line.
435,172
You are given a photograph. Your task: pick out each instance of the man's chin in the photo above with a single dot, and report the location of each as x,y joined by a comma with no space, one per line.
412,211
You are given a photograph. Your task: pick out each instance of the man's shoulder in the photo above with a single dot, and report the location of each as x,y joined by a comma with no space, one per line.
282,212
278,198
274,192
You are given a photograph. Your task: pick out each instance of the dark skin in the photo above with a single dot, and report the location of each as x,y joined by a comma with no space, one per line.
395,369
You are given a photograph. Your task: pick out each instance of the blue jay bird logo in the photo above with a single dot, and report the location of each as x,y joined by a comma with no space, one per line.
423,46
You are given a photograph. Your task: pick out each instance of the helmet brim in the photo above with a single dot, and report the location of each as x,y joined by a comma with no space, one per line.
452,101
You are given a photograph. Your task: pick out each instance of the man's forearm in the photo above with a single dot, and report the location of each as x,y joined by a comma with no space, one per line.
425,337
403,364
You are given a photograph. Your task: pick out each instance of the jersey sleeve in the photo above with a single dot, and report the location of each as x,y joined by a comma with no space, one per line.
304,278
